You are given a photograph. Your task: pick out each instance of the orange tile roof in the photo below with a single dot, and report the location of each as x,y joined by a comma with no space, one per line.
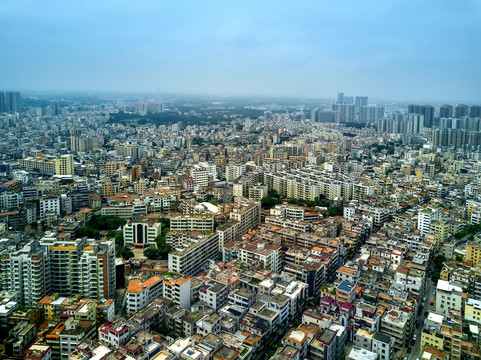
136,286
45,300
347,270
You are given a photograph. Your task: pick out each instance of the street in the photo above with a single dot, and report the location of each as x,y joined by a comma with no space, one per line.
416,349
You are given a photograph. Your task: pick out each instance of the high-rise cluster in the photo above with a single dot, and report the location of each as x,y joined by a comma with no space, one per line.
10,101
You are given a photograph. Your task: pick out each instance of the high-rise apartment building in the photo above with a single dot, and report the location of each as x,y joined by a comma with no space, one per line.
84,144
136,172
475,111
234,171
200,176
402,124
192,258
64,165
461,111
12,101
82,266
111,168
371,114
360,101
340,98
2,102
192,223
26,272
446,111
426,110
346,112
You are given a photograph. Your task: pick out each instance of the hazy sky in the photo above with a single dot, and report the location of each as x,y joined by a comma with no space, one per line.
390,49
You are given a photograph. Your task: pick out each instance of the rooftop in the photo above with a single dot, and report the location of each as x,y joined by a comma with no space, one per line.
444,285
358,353
136,286
346,286
297,335
225,353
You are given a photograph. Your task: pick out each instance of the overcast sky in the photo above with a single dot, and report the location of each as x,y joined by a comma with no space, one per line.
389,49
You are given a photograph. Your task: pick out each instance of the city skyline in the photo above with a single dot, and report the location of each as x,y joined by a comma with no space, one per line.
271,49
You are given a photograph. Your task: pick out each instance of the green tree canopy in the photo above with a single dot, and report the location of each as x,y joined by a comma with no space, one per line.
273,193
117,235
335,210
124,252
106,222
89,232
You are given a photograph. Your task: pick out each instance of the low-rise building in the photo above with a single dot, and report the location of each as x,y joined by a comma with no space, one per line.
141,233
214,294
397,323
448,296
139,294
178,290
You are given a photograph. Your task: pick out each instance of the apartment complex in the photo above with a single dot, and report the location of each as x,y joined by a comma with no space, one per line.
244,216
81,266
192,259
192,223
43,165
26,272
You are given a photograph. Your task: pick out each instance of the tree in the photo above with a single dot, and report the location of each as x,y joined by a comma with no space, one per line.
88,232
273,193
106,222
310,203
165,222
292,202
197,141
335,210
439,260
117,235
161,251
124,252
459,257
151,253
269,202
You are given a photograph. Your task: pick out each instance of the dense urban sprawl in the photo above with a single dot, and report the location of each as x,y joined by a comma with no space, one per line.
198,229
